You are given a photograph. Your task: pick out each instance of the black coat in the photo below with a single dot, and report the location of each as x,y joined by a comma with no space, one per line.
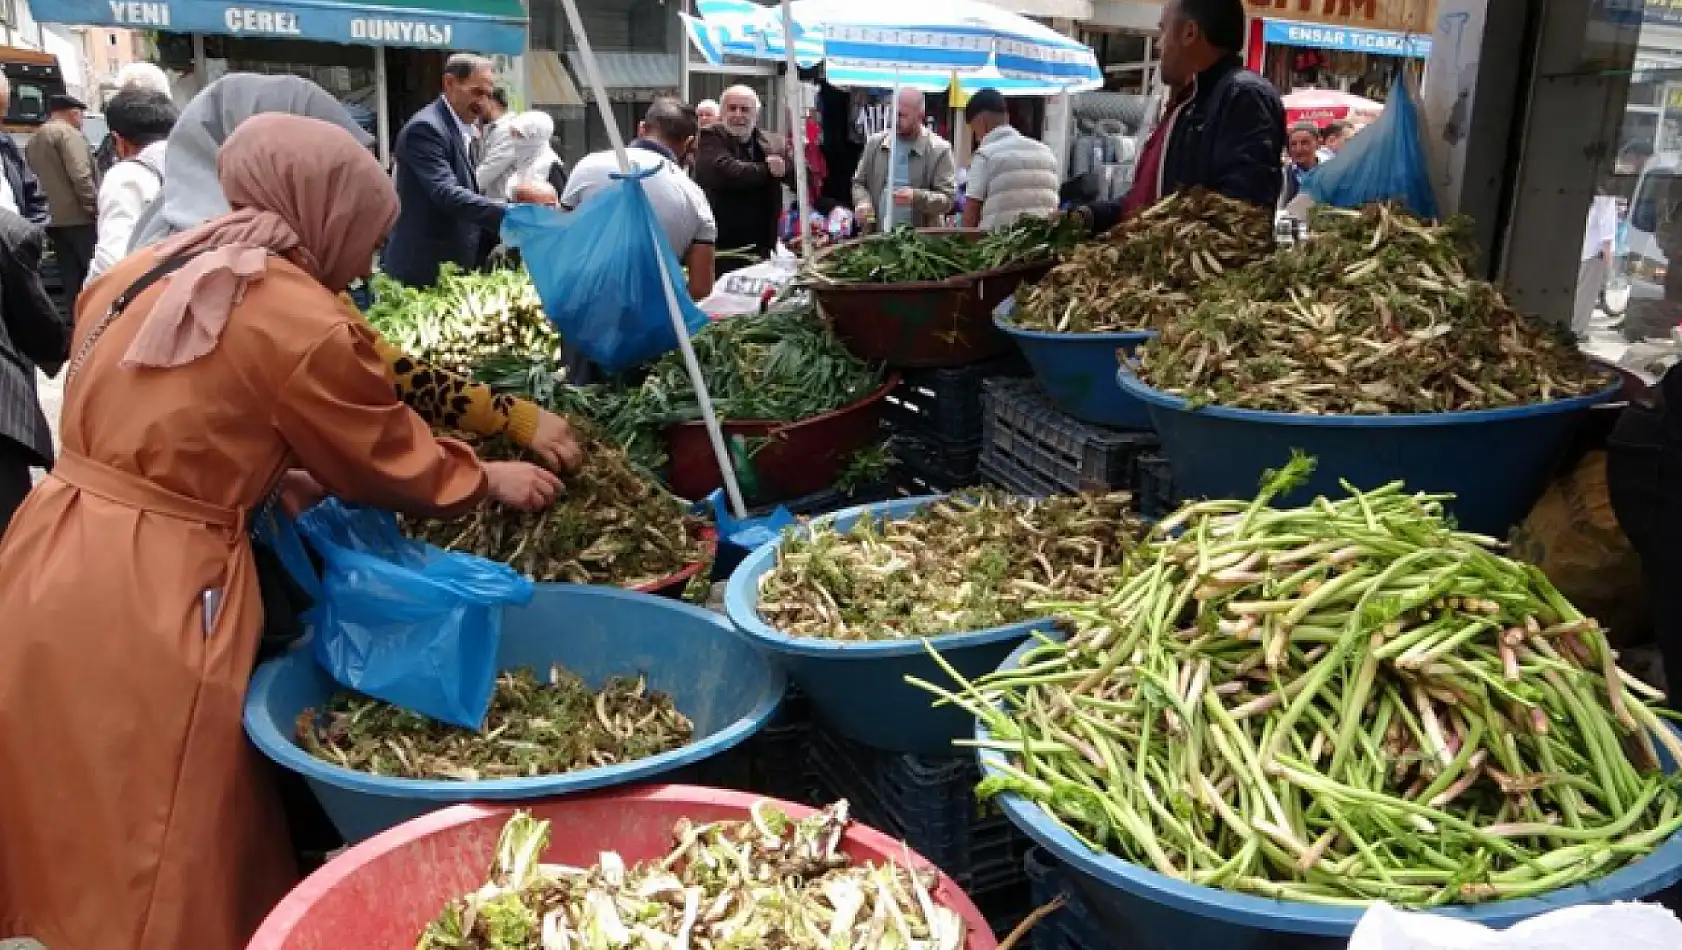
31,335
26,188
746,198
1227,139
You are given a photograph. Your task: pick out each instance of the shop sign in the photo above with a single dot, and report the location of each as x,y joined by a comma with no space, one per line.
1401,16
1380,42
381,23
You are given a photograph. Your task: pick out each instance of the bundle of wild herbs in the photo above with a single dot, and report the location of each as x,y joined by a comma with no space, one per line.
466,322
1150,268
1375,315
968,562
770,881
906,255
534,727
1341,703
611,524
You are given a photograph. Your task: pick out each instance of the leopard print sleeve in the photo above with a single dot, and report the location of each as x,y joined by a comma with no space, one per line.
448,401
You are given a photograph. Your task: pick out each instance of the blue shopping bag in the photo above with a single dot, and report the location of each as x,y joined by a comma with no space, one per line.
404,621
597,270
1387,161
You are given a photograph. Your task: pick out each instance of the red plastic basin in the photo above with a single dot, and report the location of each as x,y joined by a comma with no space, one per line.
382,893
803,457
672,586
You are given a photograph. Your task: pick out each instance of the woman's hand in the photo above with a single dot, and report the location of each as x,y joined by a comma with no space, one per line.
555,444
521,485
299,492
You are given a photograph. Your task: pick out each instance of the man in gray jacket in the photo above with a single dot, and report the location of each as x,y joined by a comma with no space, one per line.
925,174
63,161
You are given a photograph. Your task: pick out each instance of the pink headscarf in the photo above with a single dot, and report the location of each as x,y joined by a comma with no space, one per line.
300,188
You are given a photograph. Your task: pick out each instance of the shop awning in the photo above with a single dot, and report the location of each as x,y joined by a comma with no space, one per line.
481,26
1346,39
657,71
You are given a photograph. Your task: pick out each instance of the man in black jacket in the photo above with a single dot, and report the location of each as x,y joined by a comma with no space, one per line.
1224,128
31,335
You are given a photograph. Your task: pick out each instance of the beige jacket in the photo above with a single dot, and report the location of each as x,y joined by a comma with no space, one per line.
63,160
934,179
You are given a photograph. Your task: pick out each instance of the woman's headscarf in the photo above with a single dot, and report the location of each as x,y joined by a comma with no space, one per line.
533,156
192,194
300,188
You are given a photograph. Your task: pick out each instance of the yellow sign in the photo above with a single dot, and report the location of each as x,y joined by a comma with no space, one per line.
956,94
1402,16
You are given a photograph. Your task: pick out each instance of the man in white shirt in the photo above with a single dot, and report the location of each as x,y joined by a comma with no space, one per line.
1599,238
1011,176
665,137
140,121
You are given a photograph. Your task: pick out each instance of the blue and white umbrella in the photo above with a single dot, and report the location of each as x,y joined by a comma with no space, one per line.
938,37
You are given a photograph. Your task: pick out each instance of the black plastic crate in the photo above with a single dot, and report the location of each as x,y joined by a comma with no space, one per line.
940,465
1070,927
945,403
772,763
929,802
1025,436
1153,486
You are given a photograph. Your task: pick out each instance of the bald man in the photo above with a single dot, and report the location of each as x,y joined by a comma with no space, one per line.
925,174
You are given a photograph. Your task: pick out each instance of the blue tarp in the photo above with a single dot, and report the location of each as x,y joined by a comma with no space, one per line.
481,26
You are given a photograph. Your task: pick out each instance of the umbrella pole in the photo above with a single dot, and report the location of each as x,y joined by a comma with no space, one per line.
803,199
886,213
715,434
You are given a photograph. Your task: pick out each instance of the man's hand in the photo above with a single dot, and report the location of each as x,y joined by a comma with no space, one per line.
777,165
536,193
555,443
904,196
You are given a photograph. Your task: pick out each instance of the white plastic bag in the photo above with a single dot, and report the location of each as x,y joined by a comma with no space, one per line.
742,291
1585,927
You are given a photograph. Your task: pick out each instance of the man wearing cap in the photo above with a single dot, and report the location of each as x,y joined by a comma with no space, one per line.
63,160
1010,176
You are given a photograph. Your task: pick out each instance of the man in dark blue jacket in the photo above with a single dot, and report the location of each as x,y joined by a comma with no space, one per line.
443,217
1224,128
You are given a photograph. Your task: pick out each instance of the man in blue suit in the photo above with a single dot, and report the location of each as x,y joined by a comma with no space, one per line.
443,216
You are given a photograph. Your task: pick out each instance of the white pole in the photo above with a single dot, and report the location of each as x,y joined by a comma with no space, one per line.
382,106
797,100
886,216
715,434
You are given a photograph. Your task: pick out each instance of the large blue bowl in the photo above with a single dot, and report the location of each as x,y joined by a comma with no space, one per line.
1495,461
1144,910
728,689
858,688
1078,372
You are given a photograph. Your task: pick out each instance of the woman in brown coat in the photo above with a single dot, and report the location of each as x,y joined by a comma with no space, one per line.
133,813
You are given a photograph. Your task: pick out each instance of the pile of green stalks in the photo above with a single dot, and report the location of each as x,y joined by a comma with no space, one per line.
466,322
783,365
973,561
610,524
1148,270
1374,315
534,727
907,256
1341,703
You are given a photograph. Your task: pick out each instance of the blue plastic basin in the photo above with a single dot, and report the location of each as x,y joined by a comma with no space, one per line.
1078,372
1141,909
728,689
858,688
1495,461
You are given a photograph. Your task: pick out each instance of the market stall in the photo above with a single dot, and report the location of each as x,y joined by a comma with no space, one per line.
353,50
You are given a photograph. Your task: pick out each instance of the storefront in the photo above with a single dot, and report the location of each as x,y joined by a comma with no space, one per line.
382,59
1360,62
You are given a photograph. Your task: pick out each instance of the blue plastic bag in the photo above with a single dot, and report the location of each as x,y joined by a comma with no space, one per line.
597,270
1387,161
403,621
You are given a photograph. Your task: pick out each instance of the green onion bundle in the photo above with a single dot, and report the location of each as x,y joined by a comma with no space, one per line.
907,256
1340,703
